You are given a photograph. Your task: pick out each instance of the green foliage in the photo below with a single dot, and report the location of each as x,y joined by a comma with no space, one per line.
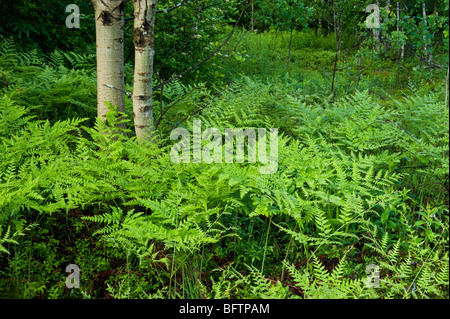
177,101
264,54
188,34
60,86
362,176
41,25
286,15
319,284
340,178
10,239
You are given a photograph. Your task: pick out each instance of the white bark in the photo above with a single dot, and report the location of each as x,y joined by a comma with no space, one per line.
253,15
446,87
144,22
402,50
425,48
376,31
386,20
109,24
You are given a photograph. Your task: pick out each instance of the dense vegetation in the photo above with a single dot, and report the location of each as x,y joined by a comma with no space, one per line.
363,156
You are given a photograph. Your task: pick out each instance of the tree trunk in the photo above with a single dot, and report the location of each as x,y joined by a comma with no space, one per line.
386,20
446,87
402,50
109,24
143,36
253,16
337,31
376,32
425,48
290,45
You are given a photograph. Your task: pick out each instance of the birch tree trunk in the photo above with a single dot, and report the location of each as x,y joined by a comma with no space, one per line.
143,36
386,20
337,32
446,87
402,50
109,24
290,45
376,32
425,48
253,16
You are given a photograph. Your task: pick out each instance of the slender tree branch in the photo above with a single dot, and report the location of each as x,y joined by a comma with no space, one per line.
363,70
181,4
429,62
170,106
160,106
187,116
207,58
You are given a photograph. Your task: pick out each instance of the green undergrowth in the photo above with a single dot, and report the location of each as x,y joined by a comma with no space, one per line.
310,64
359,182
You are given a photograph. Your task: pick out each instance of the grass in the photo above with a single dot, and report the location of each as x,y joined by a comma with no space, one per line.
264,56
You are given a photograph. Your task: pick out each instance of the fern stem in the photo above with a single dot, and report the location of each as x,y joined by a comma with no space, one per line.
265,245
287,252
